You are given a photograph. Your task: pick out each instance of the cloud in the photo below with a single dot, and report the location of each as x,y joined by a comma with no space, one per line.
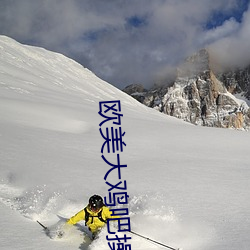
228,28
233,49
124,42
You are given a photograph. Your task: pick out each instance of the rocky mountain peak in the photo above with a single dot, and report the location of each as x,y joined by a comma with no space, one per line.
196,64
200,96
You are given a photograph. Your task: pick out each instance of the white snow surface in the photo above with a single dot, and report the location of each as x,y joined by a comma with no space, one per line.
189,186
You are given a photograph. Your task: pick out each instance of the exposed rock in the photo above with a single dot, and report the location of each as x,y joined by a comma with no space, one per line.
133,88
137,91
201,97
237,81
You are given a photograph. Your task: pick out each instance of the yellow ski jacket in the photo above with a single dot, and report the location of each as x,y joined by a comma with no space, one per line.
93,223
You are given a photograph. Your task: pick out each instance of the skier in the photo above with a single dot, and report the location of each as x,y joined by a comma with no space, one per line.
95,215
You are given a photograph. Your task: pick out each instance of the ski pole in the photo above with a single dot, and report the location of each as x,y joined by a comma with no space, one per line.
159,243
45,228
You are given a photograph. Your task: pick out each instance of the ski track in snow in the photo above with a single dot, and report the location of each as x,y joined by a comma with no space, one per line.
147,212
32,204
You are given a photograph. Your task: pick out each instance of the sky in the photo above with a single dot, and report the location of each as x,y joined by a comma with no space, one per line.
132,41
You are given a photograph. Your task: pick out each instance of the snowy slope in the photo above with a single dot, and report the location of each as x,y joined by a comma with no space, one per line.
188,186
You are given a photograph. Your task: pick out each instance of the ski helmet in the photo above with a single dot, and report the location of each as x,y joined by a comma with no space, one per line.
95,202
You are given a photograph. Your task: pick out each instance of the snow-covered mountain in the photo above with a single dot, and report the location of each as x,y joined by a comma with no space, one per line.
201,95
188,185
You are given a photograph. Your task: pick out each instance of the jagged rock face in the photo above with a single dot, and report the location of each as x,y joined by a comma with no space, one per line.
133,88
237,81
137,91
205,102
199,97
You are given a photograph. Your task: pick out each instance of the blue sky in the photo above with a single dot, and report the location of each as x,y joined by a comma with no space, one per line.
132,41
218,17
